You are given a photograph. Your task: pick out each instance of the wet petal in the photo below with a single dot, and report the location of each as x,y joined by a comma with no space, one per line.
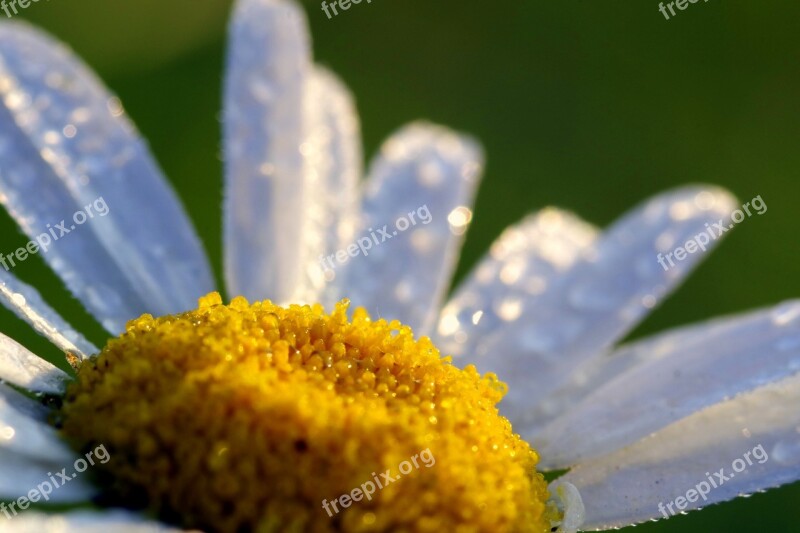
416,209
596,372
22,430
125,245
25,369
520,265
334,157
753,441
25,302
608,291
22,474
269,64
681,372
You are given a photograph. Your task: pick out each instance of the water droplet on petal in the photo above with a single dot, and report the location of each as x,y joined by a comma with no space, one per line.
786,314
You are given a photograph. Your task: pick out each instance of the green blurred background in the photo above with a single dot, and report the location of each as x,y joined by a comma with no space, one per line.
591,106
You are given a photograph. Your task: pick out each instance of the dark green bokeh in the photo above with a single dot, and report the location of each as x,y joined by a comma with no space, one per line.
591,106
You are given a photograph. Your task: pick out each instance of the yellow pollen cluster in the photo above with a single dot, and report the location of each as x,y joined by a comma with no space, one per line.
252,417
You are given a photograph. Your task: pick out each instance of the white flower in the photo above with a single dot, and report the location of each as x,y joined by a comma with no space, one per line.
638,426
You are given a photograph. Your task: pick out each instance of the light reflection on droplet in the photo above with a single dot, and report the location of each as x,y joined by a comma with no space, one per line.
705,200
680,210
431,174
5,84
510,309
786,313
48,155
511,272
114,105
404,291
80,115
665,242
52,137
16,99
459,218
306,149
448,325
423,241
535,285
485,273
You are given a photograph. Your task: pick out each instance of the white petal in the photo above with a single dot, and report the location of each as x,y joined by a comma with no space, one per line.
416,208
334,157
583,312
682,373
29,371
268,67
596,372
22,474
69,150
627,486
23,431
24,405
85,522
25,302
520,265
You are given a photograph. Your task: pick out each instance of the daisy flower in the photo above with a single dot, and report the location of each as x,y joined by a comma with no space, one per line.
318,399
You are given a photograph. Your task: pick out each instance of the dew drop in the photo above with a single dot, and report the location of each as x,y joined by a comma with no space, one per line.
459,218
18,299
509,309
786,314
705,200
448,325
7,433
431,174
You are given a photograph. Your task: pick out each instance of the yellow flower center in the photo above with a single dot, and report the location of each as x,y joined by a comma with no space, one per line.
263,418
